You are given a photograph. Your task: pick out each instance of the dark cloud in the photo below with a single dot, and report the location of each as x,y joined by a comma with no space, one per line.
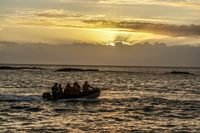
8,44
121,38
160,29
140,54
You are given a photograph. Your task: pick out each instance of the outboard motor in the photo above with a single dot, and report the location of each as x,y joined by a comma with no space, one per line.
47,95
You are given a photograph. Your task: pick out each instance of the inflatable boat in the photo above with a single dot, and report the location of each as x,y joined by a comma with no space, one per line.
89,95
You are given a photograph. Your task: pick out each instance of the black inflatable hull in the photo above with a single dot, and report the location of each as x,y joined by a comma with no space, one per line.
90,95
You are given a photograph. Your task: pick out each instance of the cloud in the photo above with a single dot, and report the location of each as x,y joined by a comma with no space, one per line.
50,15
80,1
123,38
190,3
138,54
99,18
64,14
53,18
189,31
8,44
159,29
1,26
63,18
54,24
45,23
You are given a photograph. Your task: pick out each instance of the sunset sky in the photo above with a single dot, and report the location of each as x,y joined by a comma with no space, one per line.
105,22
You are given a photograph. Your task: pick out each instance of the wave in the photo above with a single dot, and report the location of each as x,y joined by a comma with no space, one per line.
15,98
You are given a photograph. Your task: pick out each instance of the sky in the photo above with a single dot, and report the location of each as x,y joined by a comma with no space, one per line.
31,30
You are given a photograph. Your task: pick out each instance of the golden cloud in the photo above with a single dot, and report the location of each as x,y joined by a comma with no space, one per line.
153,2
36,22
127,26
56,15
160,29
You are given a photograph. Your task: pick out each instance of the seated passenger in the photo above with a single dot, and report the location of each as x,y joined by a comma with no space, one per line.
67,89
74,89
78,87
86,87
55,91
60,91
60,88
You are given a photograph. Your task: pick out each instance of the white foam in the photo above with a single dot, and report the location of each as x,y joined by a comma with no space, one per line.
20,98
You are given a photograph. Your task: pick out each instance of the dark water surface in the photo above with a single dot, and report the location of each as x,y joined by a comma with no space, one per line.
133,99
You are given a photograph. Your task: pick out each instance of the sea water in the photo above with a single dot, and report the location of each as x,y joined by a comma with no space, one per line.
132,99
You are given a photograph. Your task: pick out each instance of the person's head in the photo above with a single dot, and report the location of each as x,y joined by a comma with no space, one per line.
60,84
68,84
56,83
86,82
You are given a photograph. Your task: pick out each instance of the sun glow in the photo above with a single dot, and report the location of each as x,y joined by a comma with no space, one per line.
110,44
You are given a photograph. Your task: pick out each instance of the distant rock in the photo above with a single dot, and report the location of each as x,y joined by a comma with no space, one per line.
16,68
74,70
179,72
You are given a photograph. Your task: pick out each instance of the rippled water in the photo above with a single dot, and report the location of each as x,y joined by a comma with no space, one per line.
133,99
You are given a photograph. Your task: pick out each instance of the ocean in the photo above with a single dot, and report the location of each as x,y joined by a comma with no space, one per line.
133,99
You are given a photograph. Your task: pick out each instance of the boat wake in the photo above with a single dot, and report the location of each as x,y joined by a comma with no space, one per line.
20,98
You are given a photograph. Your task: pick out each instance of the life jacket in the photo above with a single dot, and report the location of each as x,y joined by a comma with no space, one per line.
67,90
54,88
78,87
74,90
86,88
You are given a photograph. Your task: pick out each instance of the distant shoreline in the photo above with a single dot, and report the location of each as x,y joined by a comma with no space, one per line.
80,68
25,64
